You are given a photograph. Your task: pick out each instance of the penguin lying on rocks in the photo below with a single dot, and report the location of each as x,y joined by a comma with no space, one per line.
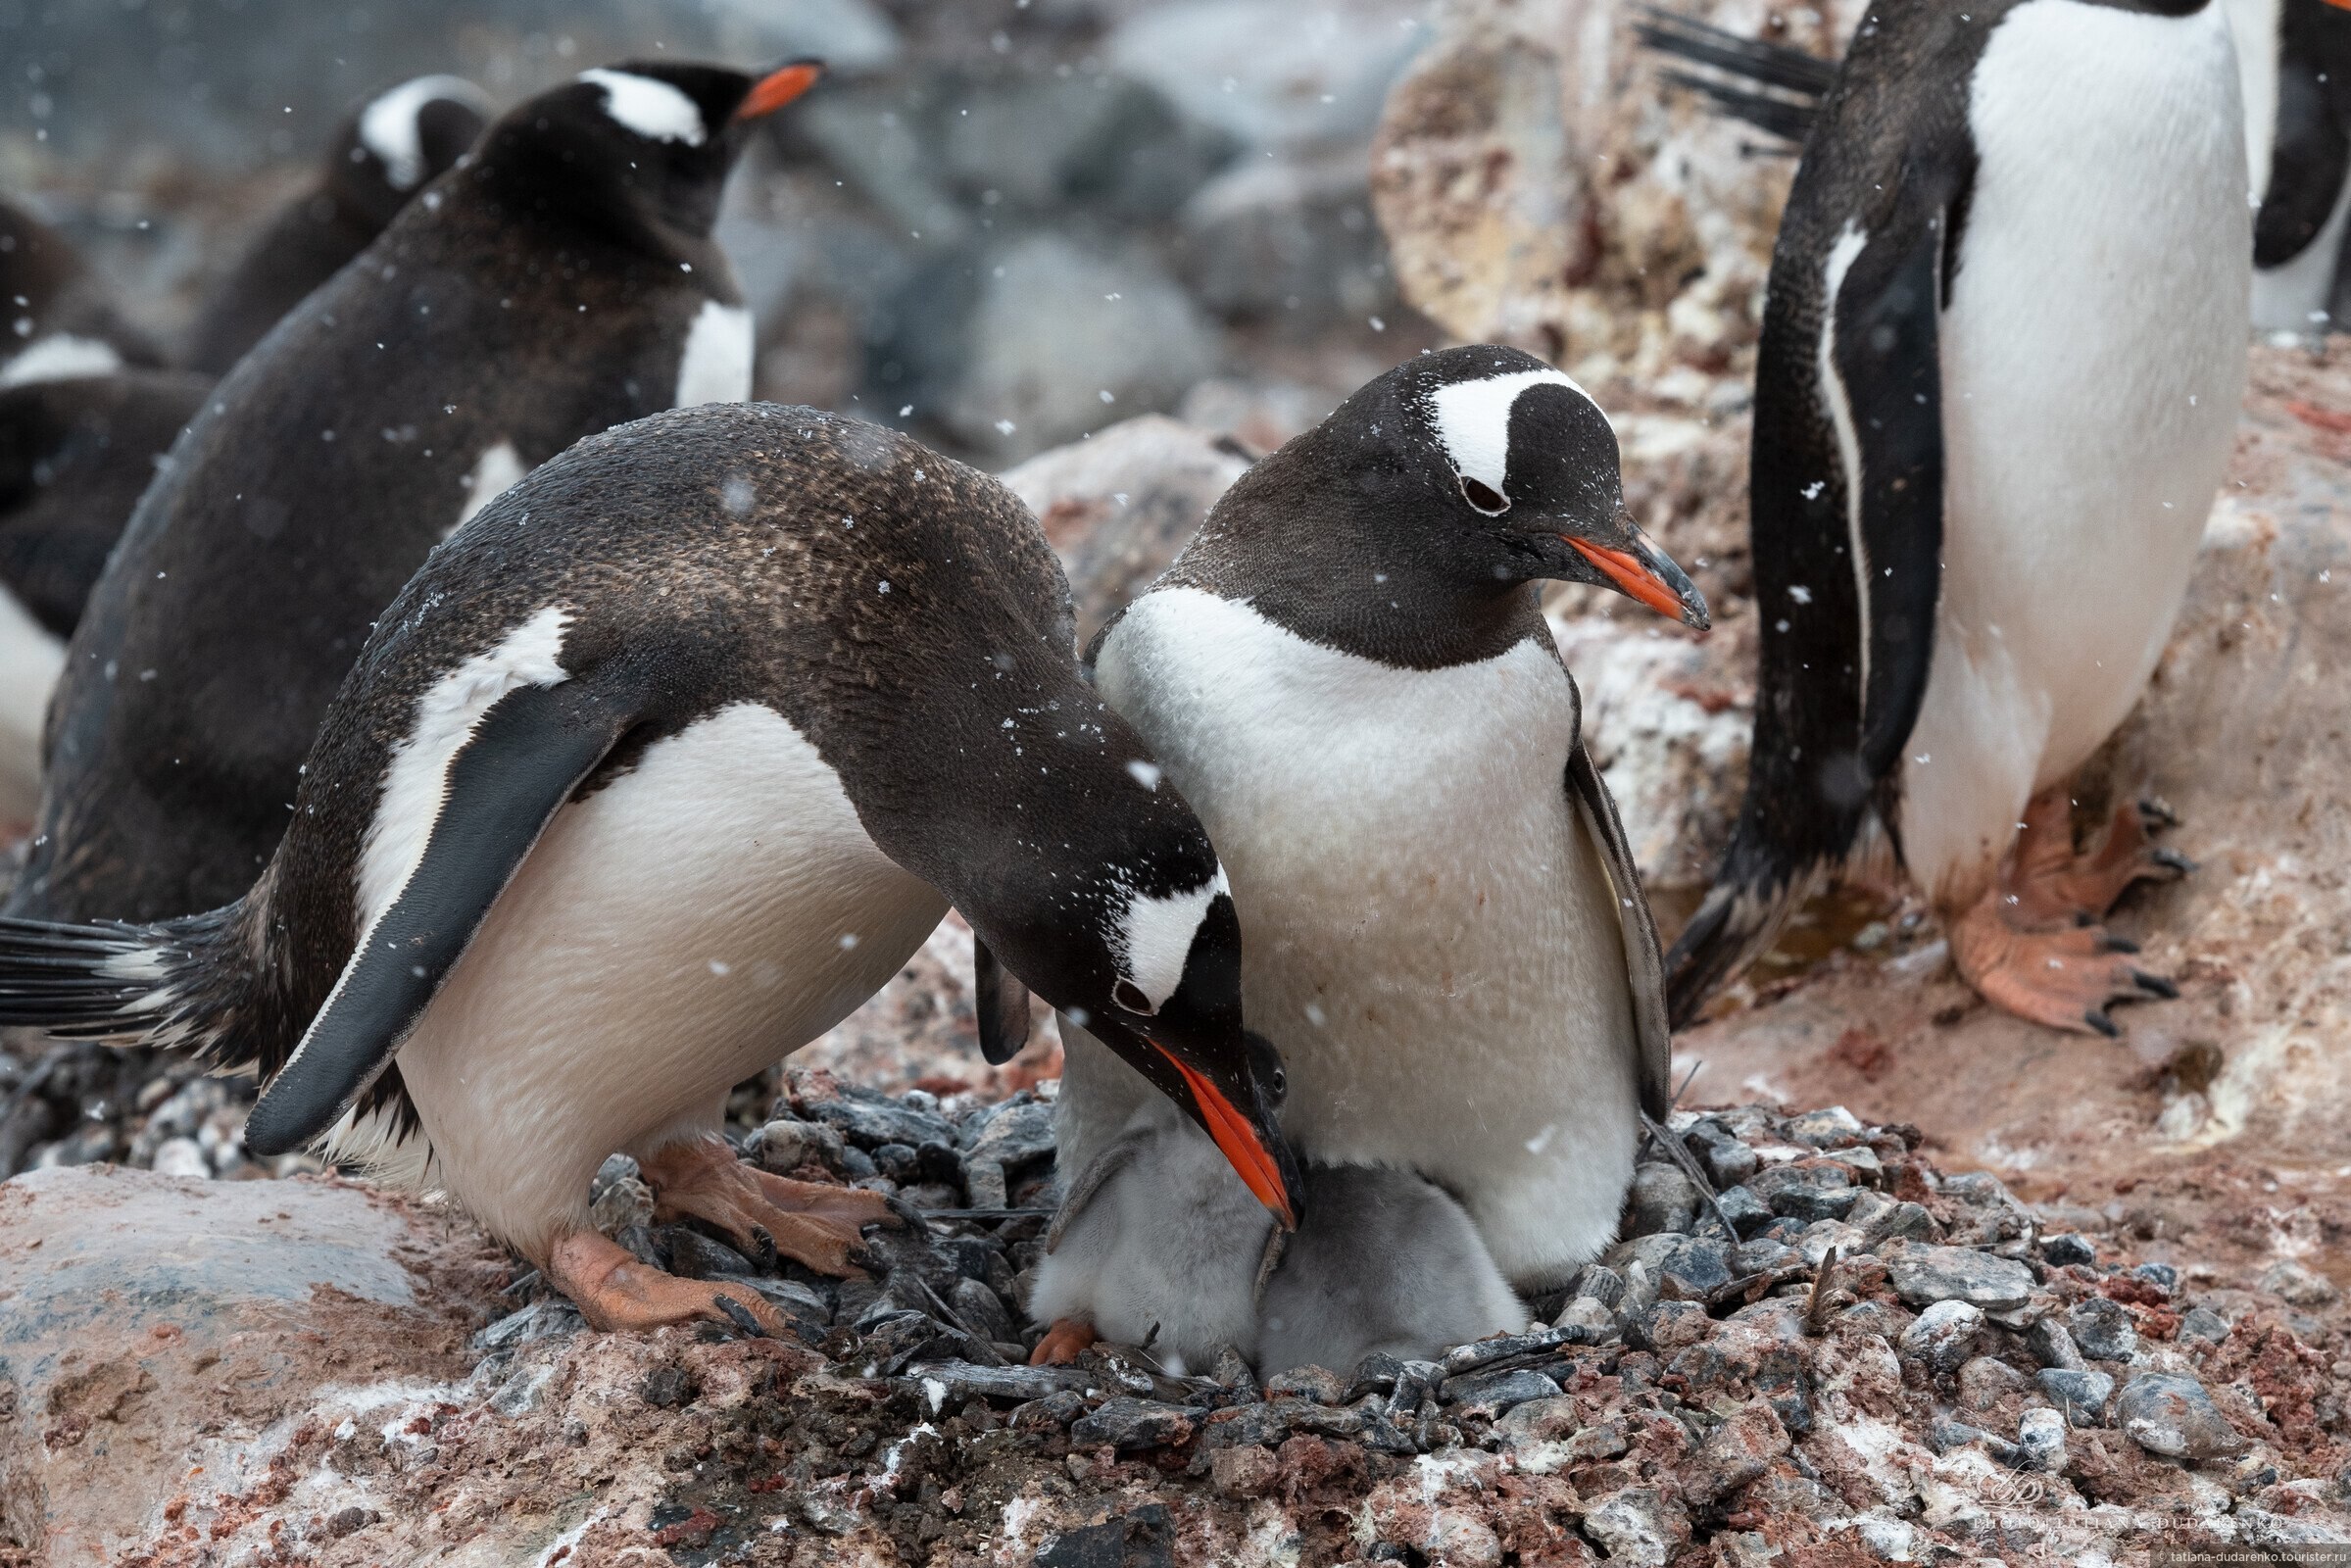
2000,370
58,316
561,282
1348,675
76,454
1158,1245
402,139
659,767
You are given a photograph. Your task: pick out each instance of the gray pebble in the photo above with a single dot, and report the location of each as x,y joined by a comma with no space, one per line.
2103,1329
2303,1287
2040,1441
2082,1395
1747,1212
1661,1200
2053,1345
1489,1393
1924,1275
2174,1417
1943,1337
2067,1249
2203,1323
1128,1424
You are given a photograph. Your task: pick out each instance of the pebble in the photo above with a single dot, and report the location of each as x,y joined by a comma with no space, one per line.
2053,1345
1661,1200
2203,1323
1127,1424
2040,1441
2066,1249
1721,1154
2174,1417
1639,1525
1489,1393
1944,1434
1589,1316
2163,1276
1925,1275
1747,1212
870,1118
1317,1384
2303,1287
1983,1381
1809,1194
1734,1453
1943,1337
2103,1329
2080,1393
1830,1127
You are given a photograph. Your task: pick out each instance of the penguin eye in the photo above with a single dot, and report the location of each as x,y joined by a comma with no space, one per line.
1129,996
1281,1084
1484,496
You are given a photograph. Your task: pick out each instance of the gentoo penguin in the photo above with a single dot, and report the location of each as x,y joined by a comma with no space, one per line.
57,317
1159,1244
562,280
2000,368
1348,675
658,769
386,152
74,457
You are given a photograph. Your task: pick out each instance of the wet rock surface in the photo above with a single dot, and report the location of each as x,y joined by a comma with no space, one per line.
1688,1407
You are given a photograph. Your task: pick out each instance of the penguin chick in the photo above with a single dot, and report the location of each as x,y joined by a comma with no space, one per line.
1157,1245
58,316
1997,390
1348,675
657,770
402,140
561,281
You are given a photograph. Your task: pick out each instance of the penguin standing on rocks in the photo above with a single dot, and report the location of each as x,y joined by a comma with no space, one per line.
1158,1244
562,280
385,154
76,454
57,317
1348,675
659,769
2001,369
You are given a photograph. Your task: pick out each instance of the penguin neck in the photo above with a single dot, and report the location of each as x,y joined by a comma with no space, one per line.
536,192
1298,554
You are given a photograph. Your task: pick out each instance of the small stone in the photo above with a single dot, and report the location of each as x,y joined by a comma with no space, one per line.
1944,1435
2174,1417
1763,1255
624,1202
696,1256
1318,1385
1538,1421
1232,1372
2203,1323
1895,1223
1489,1393
2301,1286
806,1309
1831,1127
2040,1441
1925,1275
2103,1329
182,1156
1726,1159
2067,1249
1458,1539
785,1144
1668,1326
1589,1316
1415,1380
1824,1236
980,1310
1128,1424
1485,1353
1983,1381
616,1168
2080,1393
2053,1345
547,1319
1015,1135
1943,1337
1806,1193
667,1387
1244,1472
1734,1453
896,1161
1639,1525
1747,1212
1600,1282
869,1119
1661,1200
1143,1539
2162,1276
1054,1411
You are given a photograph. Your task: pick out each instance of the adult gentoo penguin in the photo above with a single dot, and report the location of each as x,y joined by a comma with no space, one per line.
1158,1241
74,457
386,152
561,282
2000,367
57,316
657,769
1348,676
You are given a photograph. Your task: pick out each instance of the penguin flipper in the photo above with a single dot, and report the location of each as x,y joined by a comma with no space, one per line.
1846,520
2310,150
1002,1001
1644,964
520,764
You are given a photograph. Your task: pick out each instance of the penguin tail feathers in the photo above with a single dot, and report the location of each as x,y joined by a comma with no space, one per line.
1737,923
181,985
1770,86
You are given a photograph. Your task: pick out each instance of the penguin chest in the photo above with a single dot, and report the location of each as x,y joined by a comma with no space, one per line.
1428,933
2093,354
686,925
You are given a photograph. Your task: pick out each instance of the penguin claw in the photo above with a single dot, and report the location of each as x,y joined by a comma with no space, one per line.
2155,985
2108,942
742,1318
2096,1018
2055,974
2158,812
2171,860
762,1247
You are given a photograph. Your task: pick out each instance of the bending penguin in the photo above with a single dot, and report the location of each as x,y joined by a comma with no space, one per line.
1158,1244
709,720
402,140
2001,369
561,282
59,314
1348,675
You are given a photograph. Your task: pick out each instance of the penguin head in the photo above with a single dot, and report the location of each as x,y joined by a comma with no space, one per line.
1506,470
641,149
401,140
1143,952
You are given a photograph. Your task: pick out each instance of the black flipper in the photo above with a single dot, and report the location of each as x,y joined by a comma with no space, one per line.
521,762
1002,1001
2310,148
1644,967
1841,675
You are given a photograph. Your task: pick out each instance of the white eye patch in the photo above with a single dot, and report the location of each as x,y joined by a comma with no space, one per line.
1472,421
388,125
1155,937
654,110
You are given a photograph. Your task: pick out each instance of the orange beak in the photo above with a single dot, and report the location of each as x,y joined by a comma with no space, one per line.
1240,1142
778,89
1637,578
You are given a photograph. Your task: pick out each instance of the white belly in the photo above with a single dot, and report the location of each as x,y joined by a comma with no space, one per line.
688,925
30,660
2093,360
1427,932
